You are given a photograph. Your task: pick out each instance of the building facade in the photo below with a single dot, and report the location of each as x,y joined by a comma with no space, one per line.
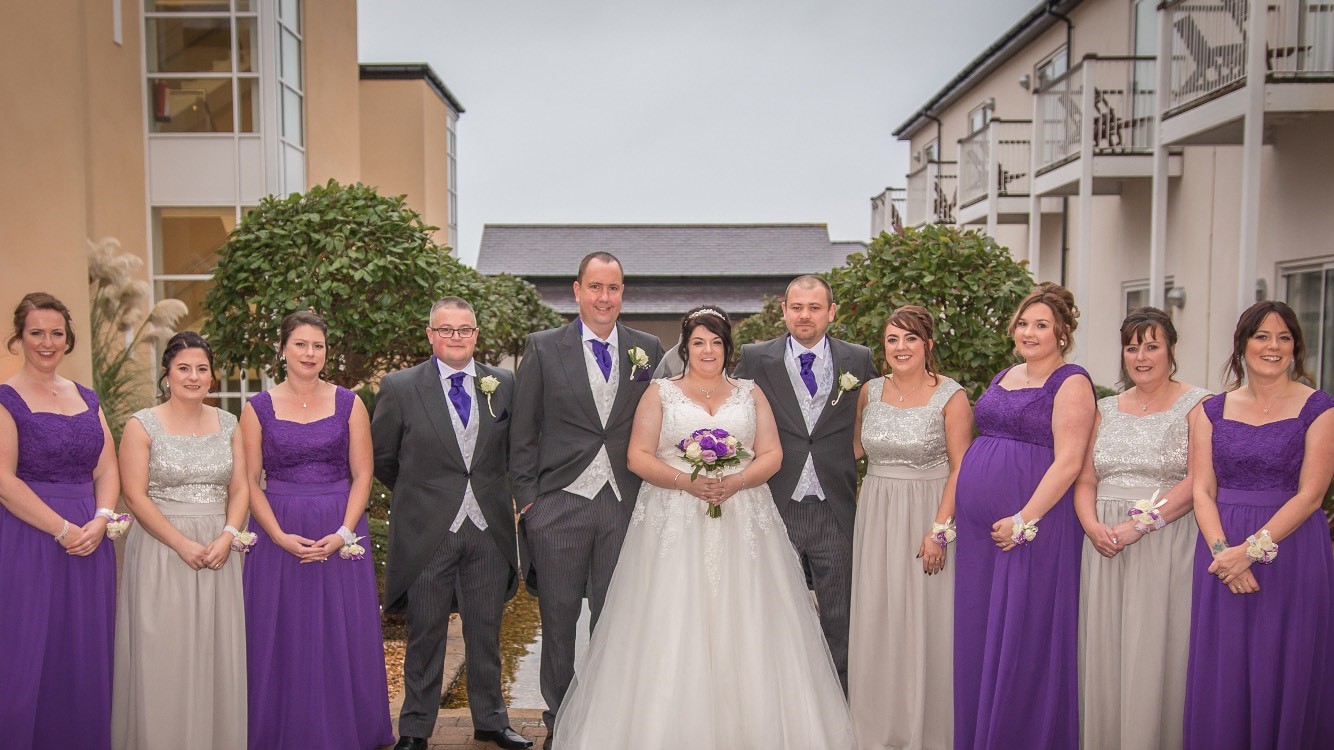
161,122
1127,150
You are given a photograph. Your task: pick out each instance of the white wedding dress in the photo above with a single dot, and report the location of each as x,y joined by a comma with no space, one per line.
708,638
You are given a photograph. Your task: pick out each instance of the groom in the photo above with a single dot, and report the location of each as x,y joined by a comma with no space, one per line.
576,392
441,438
803,374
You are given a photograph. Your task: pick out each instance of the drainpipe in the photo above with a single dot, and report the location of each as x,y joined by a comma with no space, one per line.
940,145
1069,28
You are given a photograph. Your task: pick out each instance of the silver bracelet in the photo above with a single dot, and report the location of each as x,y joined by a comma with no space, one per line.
230,529
64,530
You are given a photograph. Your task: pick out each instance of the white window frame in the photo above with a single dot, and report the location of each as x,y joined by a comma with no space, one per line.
979,117
1317,340
1141,286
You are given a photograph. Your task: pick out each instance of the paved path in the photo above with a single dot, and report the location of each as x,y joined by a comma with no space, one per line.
454,728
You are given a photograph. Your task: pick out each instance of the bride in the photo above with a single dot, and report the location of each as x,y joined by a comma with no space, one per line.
708,638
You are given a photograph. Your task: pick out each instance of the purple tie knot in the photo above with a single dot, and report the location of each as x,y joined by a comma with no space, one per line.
807,374
459,397
603,357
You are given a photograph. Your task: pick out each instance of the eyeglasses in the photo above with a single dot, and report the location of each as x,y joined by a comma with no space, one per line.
447,332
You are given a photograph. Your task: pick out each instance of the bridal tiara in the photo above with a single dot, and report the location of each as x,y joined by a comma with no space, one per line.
706,311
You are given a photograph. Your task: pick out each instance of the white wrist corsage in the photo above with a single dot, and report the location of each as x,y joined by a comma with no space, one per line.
117,523
352,550
1261,548
488,384
1023,532
1146,516
846,382
242,541
638,360
943,533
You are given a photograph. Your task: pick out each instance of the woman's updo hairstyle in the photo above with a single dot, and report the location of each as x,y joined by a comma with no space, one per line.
175,345
1062,304
914,319
40,301
297,319
1137,326
1234,373
715,321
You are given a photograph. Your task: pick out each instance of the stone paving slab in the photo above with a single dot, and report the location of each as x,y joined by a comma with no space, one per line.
453,729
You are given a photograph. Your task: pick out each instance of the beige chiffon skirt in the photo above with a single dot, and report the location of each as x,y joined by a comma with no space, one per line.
180,669
901,645
1134,625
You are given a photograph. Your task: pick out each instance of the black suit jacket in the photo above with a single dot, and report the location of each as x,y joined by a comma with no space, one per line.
417,456
830,440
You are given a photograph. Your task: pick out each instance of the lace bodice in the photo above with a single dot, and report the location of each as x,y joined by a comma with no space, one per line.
1143,451
313,453
1262,457
57,448
912,437
188,469
1023,414
681,416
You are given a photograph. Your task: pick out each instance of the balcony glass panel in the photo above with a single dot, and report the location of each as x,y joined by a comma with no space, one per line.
188,239
188,6
190,105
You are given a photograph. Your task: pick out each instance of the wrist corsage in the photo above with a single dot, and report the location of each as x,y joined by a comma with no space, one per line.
352,550
1261,548
943,533
1146,516
1023,532
117,523
242,541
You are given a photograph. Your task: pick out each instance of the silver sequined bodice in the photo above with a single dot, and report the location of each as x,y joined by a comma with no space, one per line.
1143,451
913,438
186,469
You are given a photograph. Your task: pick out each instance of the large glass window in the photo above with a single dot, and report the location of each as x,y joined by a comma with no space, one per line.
201,62
290,78
1309,290
451,150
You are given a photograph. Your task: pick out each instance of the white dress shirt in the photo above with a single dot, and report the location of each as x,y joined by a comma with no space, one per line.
811,406
467,439
599,471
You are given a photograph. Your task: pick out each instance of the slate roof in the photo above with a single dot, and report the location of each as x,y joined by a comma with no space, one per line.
672,297
697,250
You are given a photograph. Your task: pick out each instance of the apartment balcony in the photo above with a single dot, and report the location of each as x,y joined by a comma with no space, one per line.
1210,55
994,174
933,194
887,211
1115,136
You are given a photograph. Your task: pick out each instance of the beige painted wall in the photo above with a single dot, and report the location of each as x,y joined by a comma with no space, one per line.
72,154
333,136
403,142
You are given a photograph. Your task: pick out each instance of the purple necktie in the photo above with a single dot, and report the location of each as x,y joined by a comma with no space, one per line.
459,397
603,357
807,375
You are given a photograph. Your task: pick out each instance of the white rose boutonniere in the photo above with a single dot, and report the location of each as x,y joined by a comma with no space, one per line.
846,382
488,384
638,360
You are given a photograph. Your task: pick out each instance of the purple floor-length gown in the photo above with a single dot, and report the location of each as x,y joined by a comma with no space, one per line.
1261,671
313,640
1016,613
57,611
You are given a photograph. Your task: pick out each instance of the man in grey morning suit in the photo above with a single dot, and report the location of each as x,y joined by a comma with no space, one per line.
442,445
816,488
576,392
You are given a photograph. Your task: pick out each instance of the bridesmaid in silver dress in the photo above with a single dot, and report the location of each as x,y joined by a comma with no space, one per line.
913,426
1135,491
180,671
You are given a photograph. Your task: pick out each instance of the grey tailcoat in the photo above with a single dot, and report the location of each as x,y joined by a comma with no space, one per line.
417,456
830,441
556,431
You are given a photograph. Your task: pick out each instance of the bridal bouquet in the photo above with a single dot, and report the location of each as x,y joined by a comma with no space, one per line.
711,452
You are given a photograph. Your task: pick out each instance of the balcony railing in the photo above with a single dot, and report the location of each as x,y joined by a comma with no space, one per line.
1209,43
932,194
887,211
1120,107
1011,168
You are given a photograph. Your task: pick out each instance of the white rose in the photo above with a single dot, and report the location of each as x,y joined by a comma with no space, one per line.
692,451
488,384
847,381
732,442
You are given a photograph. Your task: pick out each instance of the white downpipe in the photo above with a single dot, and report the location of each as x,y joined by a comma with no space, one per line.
1158,212
1034,200
1252,145
993,176
1084,255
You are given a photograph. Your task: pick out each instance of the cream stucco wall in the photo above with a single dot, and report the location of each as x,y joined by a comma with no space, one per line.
72,153
403,142
333,92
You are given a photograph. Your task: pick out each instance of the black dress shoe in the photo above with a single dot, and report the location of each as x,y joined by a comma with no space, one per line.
506,738
410,743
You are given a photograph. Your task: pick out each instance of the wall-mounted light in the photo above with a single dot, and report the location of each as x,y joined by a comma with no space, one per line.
990,103
1025,81
1261,290
1176,297
917,156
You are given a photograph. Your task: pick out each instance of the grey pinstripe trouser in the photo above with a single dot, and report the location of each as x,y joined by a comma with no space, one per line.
826,550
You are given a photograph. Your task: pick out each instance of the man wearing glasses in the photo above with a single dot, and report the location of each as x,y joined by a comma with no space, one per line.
441,435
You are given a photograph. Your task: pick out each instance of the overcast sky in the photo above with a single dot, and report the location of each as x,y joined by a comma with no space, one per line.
681,111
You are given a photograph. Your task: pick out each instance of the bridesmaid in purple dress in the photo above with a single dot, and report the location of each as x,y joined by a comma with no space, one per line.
58,481
1016,594
1261,671
316,657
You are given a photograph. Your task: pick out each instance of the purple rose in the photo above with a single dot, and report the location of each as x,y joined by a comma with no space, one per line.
720,434
697,433
708,457
681,445
707,442
721,449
